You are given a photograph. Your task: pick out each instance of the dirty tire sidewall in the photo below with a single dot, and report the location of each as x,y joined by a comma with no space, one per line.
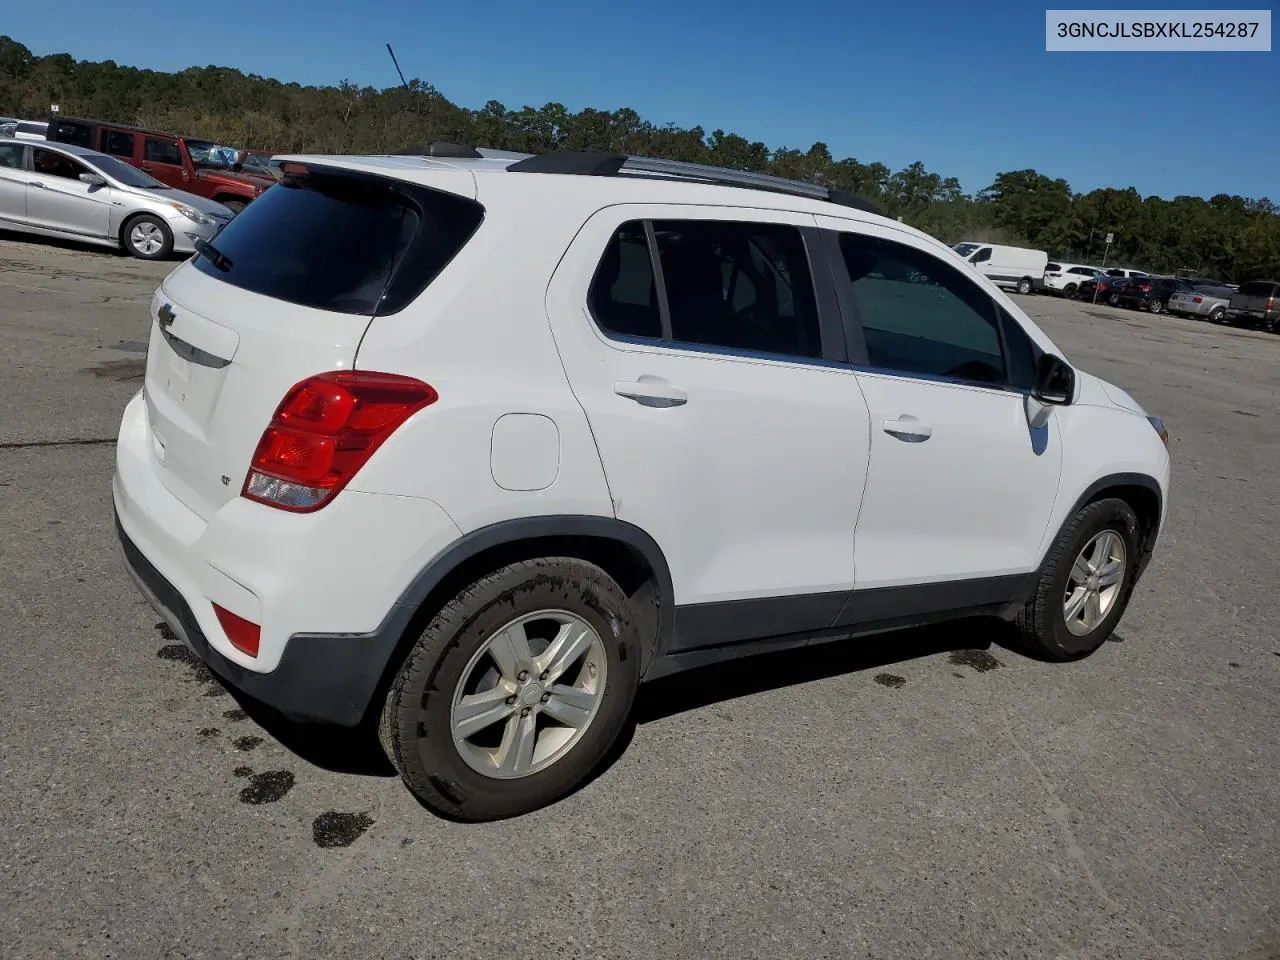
1043,623
415,728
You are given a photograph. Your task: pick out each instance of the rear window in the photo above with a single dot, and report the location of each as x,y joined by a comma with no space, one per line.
36,128
81,134
361,245
1256,288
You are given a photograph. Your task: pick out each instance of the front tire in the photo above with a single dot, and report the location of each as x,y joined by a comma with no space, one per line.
515,690
235,206
1084,583
147,237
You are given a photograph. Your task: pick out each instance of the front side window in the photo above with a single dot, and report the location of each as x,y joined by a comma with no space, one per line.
126,174
742,286
117,143
983,255
161,151
57,164
920,315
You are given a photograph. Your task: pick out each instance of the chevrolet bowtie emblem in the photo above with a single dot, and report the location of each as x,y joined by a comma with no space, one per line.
165,313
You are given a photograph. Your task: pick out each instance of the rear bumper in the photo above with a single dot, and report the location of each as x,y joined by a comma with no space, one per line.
324,587
325,678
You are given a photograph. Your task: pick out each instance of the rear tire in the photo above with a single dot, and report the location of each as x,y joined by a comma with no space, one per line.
1155,306
1024,286
474,689
1069,291
147,237
1047,624
1215,316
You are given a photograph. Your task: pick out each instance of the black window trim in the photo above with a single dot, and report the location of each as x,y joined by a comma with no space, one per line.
857,337
832,334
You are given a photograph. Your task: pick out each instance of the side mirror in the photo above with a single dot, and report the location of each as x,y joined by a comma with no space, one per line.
93,180
1055,381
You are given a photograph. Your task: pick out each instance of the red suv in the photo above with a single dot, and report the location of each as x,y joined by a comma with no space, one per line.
201,167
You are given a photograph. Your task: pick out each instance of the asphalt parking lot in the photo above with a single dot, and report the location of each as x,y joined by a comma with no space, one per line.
914,795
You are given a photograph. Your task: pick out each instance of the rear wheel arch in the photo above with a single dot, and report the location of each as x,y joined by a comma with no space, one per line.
624,551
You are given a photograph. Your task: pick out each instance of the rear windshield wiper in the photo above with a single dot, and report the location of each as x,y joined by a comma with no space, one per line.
213,254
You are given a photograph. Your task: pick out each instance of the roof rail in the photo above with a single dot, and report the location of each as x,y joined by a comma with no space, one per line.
438,150
614,164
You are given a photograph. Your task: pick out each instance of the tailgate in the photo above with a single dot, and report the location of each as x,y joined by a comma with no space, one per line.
218,364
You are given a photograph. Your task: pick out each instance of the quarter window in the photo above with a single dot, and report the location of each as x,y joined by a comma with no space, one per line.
920,315
624,298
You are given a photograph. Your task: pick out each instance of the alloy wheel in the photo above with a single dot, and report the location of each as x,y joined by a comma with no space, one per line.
528,694
1094,583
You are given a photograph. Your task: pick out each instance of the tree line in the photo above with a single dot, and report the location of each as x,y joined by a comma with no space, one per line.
1227,236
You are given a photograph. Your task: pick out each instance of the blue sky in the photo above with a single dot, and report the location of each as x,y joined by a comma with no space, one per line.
967,87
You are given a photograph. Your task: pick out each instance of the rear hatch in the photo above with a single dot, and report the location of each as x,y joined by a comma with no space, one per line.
287,291
1257,297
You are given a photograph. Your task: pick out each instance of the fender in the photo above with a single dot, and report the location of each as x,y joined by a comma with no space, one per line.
1123,480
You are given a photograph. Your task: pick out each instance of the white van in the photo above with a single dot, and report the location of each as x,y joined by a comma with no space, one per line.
1015,267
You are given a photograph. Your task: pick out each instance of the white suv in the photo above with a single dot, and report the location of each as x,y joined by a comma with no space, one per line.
1065,278
467,446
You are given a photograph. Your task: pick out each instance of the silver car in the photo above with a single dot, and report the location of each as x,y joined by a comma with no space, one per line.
61,190
1201,302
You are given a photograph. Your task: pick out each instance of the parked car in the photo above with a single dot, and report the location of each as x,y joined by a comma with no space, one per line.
1149,293
1014,268
1125,273
1065,278
30,130
1101,289
64,191
1256,303
196,166
646,330
1202,302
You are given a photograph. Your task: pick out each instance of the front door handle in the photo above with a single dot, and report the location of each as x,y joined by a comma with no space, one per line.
651,392
908,429
36,183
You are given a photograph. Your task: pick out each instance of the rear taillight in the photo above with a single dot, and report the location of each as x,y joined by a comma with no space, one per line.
324,431
1197,300
243,634
1144,287
1271,304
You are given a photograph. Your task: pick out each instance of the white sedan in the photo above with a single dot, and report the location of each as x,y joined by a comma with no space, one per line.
65,191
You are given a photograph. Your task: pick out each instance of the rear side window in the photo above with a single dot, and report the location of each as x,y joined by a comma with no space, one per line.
919,315
1257,288
81,134
624,297
161,151
744,286
349,244
11,156
117,143
1052,267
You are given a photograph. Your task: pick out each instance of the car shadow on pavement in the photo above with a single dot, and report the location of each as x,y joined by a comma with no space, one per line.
357,751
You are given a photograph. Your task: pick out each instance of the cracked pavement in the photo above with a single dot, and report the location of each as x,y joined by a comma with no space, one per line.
917,795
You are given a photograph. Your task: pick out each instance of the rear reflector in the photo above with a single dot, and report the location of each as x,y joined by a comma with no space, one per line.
243,634
325,429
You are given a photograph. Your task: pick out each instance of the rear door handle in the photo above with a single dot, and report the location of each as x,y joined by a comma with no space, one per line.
651,392
36,183
908,430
